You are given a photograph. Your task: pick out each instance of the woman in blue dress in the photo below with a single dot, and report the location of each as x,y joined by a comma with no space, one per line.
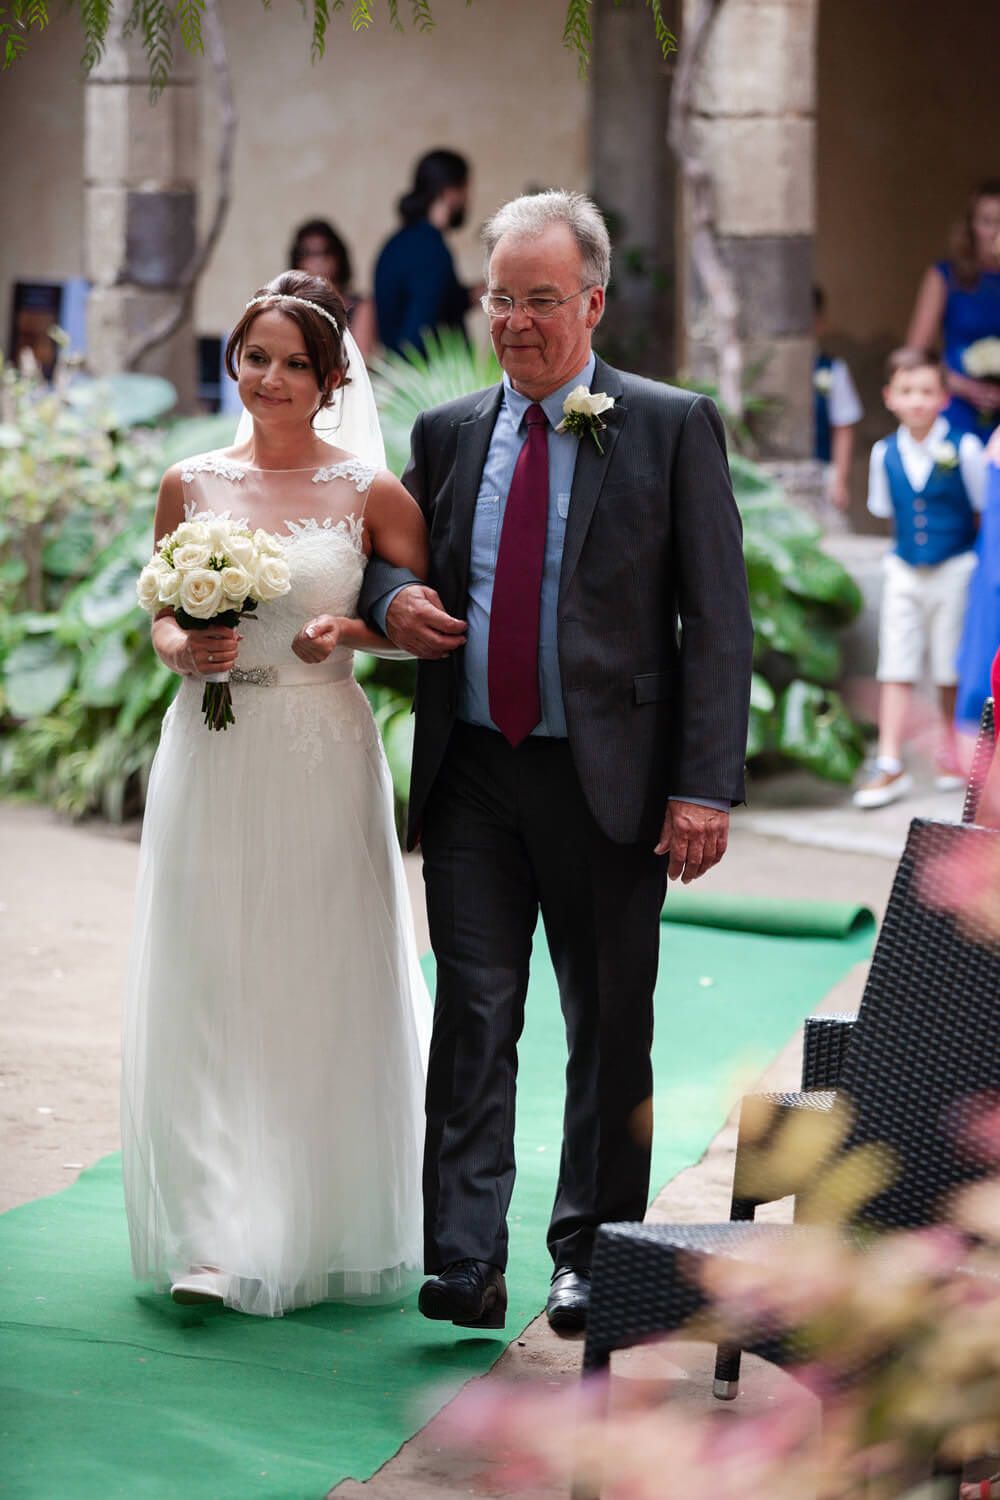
958,304
981,633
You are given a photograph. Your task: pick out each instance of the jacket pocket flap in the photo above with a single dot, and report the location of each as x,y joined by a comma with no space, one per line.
650,687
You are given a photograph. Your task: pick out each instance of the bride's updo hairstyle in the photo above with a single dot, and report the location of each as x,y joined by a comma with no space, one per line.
324,340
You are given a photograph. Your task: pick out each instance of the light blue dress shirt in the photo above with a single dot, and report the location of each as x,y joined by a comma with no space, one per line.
509,436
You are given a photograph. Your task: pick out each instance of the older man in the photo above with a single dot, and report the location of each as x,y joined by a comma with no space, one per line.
581,719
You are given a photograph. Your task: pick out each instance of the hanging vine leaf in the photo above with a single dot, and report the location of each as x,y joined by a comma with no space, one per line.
188,13
156,20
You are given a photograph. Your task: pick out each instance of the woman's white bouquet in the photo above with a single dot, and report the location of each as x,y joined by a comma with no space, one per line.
982,359
213,572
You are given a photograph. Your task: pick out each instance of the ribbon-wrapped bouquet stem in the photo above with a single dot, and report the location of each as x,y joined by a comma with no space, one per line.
213,572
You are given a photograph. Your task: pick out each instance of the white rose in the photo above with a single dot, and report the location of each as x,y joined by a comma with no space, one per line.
147,587
945,455
982,359
170,586
192,556
240,549
587,403
200,593
823,381
271,579
266,543
236,583
189,531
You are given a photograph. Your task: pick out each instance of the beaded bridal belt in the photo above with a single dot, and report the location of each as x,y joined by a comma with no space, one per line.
295,674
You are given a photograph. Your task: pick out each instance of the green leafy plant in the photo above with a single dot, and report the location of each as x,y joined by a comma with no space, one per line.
799,599
406,385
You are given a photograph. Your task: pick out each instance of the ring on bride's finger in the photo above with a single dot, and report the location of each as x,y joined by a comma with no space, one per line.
211,658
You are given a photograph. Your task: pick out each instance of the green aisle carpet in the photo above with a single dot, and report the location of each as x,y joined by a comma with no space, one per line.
107,1390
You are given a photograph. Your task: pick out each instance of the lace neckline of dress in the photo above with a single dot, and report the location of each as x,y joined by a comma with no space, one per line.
355,469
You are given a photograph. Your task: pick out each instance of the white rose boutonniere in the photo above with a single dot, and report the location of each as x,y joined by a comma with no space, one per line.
823,380
945,456
583,410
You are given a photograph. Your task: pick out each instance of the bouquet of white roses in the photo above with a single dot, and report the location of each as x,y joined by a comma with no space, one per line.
213,572
982,359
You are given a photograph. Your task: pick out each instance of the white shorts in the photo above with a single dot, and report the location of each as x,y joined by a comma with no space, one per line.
922,613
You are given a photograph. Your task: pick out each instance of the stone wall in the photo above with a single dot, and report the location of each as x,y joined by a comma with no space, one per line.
754,127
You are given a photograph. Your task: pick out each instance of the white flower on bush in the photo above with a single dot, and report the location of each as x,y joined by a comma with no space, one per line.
945,454
271,579
192,556
981,360
200,593
236,583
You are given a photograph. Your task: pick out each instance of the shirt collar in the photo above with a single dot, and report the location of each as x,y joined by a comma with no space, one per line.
937,434
552,405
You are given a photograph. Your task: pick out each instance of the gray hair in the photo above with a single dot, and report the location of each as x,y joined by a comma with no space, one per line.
531,215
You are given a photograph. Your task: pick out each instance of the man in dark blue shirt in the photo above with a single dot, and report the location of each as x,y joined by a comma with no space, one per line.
415,283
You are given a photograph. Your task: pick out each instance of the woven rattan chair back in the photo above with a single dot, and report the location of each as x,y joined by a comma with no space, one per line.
982,759
924,1054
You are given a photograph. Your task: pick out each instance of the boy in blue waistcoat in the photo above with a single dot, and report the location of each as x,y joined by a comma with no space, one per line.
928,479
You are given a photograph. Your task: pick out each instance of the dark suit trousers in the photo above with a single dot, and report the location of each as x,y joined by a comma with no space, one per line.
506,834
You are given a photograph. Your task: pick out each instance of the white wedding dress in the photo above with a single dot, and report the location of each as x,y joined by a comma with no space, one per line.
276,1022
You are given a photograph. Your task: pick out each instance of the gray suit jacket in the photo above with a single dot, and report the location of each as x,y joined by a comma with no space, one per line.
654,632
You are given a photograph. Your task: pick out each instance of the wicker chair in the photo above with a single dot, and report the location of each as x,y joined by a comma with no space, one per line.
982,758
926,1036
826,1037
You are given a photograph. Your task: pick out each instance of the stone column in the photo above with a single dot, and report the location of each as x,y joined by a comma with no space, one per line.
140,203
633,178
755,128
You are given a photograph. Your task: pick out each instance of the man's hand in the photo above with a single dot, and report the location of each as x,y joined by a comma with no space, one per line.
417,622
695,838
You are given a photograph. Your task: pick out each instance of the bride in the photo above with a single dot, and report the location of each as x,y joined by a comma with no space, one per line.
276,1020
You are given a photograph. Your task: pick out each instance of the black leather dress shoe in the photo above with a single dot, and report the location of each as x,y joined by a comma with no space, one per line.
468,1293
569,1299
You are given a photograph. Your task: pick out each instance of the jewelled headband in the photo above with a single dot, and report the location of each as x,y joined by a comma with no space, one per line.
289,297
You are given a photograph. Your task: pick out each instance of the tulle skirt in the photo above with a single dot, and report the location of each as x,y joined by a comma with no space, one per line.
276,1021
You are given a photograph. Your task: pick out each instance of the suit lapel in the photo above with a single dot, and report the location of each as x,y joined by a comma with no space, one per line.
590,472
472,445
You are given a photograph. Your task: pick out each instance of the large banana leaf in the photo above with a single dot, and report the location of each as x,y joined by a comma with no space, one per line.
37,674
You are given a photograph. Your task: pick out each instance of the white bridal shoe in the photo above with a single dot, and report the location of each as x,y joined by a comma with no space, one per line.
200,1286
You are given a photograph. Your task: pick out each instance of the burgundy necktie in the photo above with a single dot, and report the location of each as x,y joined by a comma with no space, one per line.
512,664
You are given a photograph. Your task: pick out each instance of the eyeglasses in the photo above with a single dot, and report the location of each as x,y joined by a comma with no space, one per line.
536,307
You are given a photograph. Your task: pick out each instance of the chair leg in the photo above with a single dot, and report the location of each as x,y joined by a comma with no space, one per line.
726,1385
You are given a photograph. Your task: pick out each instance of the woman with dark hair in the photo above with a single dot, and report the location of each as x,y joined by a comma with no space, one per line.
958,306
276,1021
318,249
416,288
